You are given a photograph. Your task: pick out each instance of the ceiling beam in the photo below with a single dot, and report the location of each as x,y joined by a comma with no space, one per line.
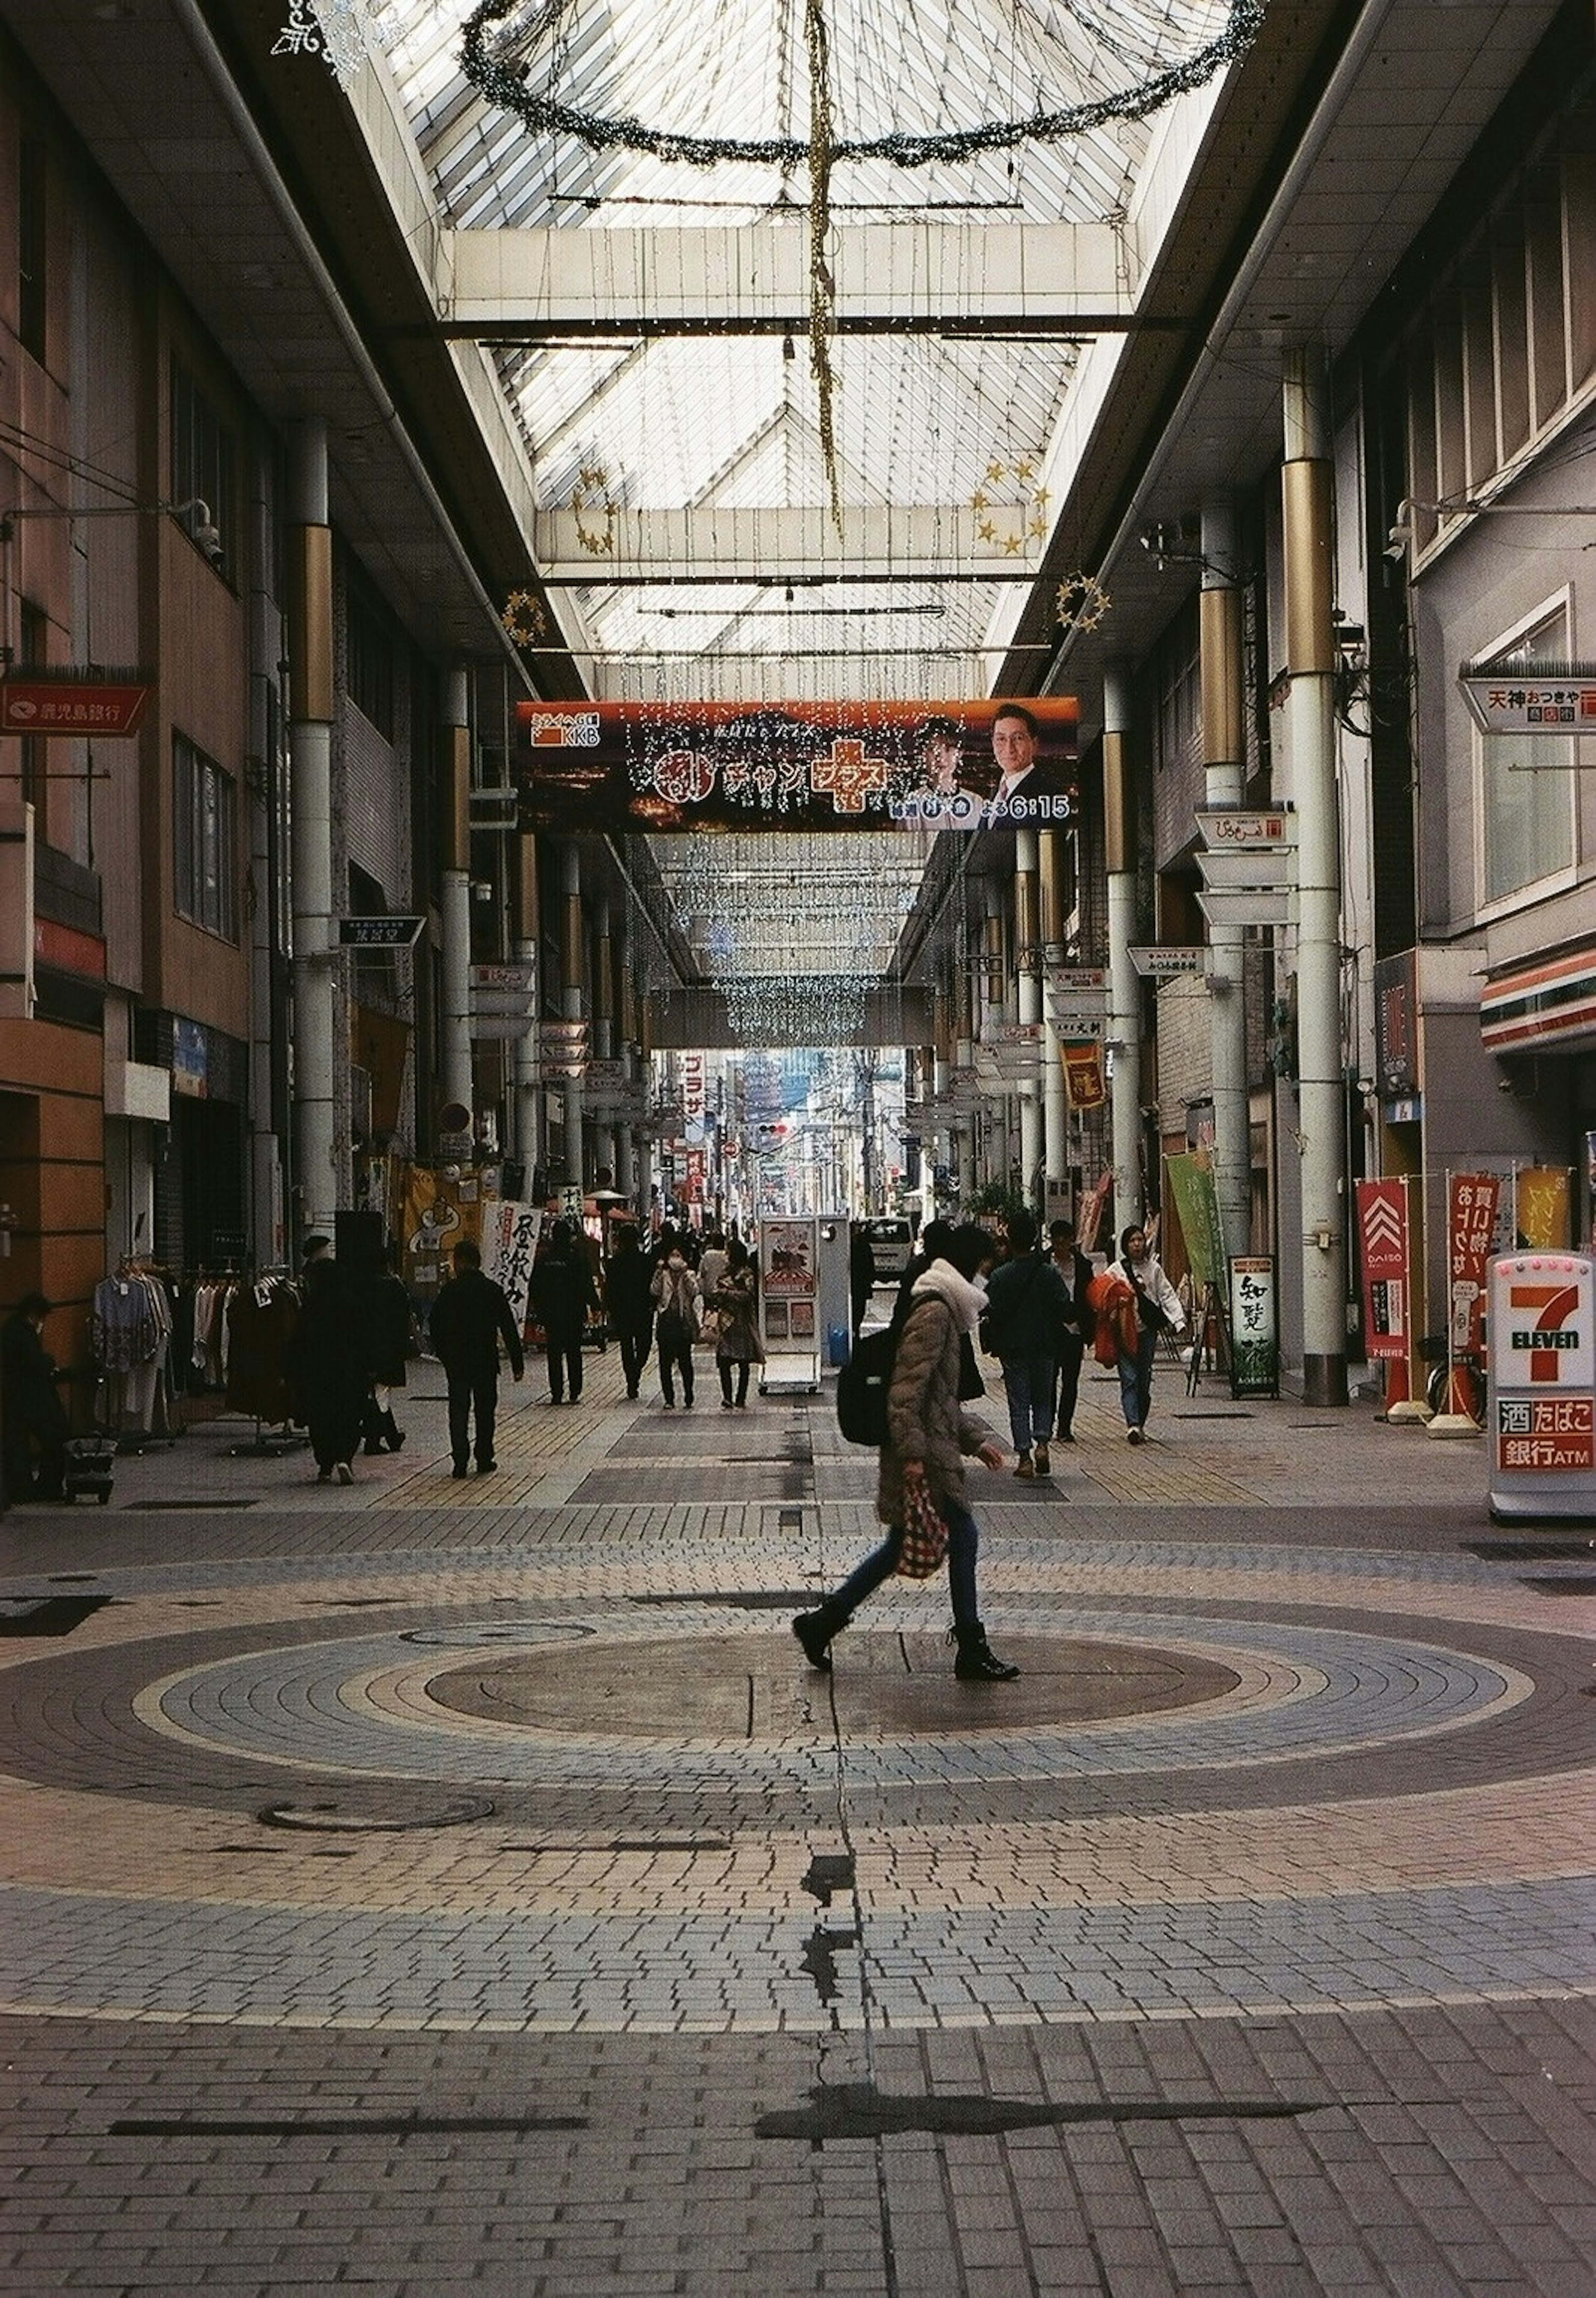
910,543
947,278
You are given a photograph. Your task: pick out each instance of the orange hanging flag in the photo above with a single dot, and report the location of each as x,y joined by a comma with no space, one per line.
1084,1081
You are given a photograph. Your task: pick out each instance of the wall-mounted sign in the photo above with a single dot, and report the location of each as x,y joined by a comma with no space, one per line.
1527,697
796,765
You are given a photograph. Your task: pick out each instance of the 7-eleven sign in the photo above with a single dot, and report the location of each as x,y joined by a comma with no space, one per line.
1542,1322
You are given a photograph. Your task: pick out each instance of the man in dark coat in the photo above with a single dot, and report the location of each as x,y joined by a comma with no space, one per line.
35,1417
562,1293
470,1316
1075,1332
332,1379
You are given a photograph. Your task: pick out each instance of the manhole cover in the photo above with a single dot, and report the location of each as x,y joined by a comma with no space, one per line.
373,1818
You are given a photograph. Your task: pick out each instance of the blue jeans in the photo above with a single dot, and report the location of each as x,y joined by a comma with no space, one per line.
1027,1383
1136,1381
881,1563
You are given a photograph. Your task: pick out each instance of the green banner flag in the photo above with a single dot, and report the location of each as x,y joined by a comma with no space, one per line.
1197,1209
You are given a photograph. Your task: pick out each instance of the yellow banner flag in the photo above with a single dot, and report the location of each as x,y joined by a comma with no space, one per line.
1543,1208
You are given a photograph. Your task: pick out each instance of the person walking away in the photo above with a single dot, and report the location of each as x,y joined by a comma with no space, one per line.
1076,1330
562,1293
1027,1301
674,1292
861,1272
928,1439
712,1262
331,1367
470,1316
628,1305
386,1307
735,1301
1157,1310
33,1416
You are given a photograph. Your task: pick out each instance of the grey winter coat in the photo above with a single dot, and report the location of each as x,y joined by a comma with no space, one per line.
925,1421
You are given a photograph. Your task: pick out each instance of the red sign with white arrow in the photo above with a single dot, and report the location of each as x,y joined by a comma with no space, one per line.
1383,1223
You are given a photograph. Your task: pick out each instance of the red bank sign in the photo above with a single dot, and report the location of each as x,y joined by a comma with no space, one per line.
59,706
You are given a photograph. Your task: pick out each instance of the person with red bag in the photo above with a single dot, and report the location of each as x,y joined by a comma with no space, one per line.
928,1439
1134,1301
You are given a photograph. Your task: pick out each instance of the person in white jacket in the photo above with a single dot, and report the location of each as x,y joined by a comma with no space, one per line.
1158,1309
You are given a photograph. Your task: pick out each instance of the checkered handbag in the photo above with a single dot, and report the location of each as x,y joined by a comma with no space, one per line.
925,1535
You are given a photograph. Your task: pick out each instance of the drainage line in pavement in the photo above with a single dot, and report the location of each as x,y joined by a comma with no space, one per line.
335,2126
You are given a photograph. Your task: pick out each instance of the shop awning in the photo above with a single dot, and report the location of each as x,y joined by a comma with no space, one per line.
1546,1007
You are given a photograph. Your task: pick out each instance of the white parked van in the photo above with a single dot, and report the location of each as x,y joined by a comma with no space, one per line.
892,1242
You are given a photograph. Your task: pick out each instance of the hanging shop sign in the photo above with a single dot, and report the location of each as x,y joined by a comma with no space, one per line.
1254,1334
1092,1208
71,704
1383,1226
1162,961
379,933
606,766
1472,1203
1084,1081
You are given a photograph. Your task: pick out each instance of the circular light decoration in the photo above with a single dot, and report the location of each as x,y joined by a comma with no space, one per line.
523,618
1082,602
1029,512
592,487
504,70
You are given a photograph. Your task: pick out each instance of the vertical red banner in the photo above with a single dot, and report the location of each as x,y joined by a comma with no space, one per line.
1384,1228
1472,1200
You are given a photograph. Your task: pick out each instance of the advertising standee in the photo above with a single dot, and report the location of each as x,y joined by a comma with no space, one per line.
1541,1400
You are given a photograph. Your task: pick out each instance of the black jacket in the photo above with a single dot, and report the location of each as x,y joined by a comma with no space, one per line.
563,1290
470,1316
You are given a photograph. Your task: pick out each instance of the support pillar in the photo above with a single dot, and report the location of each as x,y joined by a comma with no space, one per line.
529,1074
1055,1102
1306,481
604,1035
571,1001
310,549
1028,970
1124,985
455,970
1224,773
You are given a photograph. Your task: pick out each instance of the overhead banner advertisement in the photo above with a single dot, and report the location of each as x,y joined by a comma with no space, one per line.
663,766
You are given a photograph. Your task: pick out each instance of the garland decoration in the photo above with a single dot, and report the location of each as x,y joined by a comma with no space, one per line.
500,82
523,618
1081,602
593,487
502,73
1030,511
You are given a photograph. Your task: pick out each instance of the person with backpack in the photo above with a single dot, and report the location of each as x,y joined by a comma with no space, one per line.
928,1438
1027,1301
675,1296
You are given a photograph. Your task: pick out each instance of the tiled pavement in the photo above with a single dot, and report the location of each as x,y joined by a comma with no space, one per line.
439,1885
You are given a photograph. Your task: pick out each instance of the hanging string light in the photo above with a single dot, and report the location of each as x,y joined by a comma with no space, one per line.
499,69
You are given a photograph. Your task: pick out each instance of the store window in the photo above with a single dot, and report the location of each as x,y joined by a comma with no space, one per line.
1527,782
204,830
202,471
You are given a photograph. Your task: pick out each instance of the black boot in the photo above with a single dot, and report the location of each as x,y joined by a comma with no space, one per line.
977,1663
814,1631
392,1431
